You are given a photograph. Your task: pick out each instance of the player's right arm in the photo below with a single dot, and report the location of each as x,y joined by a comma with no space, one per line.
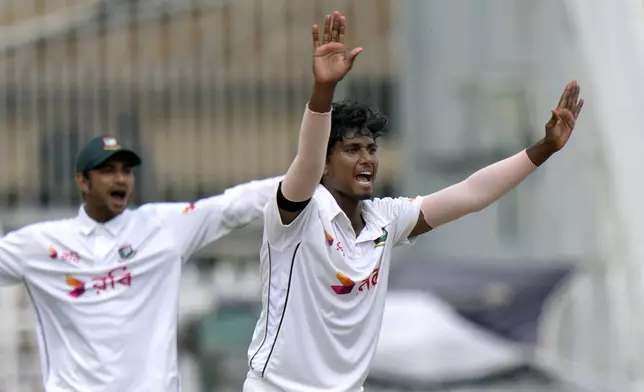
331,62
12,247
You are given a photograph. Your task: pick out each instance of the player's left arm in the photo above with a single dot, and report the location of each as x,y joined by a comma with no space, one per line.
492,182
195,225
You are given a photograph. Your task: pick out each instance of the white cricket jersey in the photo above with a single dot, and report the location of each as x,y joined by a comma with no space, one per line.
106,295
324,294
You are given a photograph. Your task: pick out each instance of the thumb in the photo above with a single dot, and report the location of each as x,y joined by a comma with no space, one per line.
554,119
353,54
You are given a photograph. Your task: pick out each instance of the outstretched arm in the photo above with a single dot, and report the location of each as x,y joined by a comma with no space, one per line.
490,183
12,248
331,62
245,203
195,225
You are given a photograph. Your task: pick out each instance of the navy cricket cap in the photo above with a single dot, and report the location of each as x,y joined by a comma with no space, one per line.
99,150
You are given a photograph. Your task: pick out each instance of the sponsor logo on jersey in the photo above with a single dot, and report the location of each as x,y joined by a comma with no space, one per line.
329,239
69,256
190,207
78,286
115,278
346,284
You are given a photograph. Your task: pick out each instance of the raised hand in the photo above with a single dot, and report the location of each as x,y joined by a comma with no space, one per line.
331,59
564,117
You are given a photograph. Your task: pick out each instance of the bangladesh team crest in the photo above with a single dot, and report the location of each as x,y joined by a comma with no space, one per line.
126,252
381,240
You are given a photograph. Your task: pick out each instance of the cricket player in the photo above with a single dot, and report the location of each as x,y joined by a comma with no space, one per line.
327,244
105,284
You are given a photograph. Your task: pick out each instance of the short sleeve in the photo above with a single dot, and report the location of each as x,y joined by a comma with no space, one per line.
12,247
281,236
403,212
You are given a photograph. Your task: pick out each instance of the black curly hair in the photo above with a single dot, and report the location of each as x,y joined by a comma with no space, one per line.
351,118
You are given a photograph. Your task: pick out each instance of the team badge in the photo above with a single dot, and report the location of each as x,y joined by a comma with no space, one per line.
381,241
109,143
126,252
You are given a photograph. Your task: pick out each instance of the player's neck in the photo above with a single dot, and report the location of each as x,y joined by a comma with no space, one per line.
352,208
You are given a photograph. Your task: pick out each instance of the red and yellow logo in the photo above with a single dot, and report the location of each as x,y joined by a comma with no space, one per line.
78,286
188,208
346,284
117,277
53,254
328,237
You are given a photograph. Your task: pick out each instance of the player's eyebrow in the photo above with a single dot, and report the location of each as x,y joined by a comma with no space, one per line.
355,144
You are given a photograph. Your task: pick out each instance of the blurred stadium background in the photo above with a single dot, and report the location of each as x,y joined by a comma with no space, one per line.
541,292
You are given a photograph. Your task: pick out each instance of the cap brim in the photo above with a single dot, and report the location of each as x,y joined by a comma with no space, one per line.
131,158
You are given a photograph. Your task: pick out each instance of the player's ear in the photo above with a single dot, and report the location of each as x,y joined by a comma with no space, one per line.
82,181
326,170
327,161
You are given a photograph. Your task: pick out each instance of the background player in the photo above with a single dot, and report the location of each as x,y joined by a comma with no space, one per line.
105,284
327,247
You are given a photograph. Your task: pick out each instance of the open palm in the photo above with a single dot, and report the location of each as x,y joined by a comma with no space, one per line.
564,117
331,59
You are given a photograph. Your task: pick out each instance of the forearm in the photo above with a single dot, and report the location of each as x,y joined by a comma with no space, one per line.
305,172
482,188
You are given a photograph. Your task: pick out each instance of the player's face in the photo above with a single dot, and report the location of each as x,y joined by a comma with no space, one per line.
110,187
352,167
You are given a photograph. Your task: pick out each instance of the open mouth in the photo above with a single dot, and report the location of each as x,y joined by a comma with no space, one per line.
364,177
118,196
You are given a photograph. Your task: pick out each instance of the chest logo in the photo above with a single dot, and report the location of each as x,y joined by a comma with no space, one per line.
382,239
329,239
71,256
77,286
126,252
346,284
190,207
118,276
